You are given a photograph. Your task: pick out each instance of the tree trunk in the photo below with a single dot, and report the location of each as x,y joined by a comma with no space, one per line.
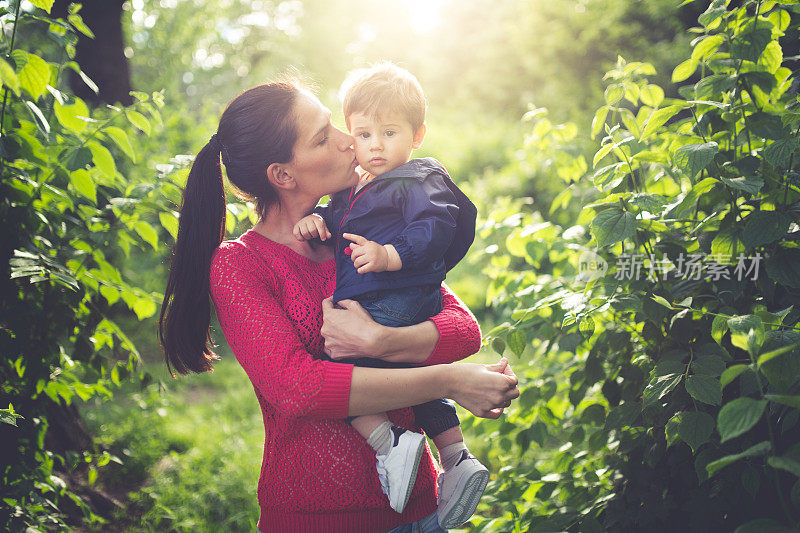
102,58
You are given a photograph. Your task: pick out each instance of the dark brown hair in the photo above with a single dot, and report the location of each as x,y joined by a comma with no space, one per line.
255,130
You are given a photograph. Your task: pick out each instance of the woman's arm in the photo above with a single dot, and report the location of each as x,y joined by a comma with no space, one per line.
291,381
449,336
484,390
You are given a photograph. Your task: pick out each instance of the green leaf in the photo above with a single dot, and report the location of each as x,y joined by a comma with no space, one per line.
684,70
72,116
707,46
170,223
78,24
706,389
614,93
652,95
38,117
762,525
102,159
744,183
716,10
732,373
761,448
121,139
8,77
752,41
658,119
499,345
708,365
47,5
719,327
747,333
791,401
608,177
790,464
660,387
779,153
766,125
693,158
138,120
613,225
739,416
147,233
764,227
84,184
598,120
671,429
516,341
784,267
780,361
727,245
751,481
33,72
694,428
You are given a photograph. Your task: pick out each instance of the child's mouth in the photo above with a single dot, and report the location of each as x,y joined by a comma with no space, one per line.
377,161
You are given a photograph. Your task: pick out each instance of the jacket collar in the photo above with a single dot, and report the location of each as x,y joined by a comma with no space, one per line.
418,169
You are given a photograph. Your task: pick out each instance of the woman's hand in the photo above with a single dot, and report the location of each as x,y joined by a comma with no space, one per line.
349,332
484,390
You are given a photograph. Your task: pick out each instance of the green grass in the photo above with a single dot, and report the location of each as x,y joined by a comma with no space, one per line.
190,451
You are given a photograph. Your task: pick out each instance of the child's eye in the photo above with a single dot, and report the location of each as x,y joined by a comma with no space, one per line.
390,133
364,135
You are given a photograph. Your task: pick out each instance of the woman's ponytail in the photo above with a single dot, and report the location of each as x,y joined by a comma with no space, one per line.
258,129
183,326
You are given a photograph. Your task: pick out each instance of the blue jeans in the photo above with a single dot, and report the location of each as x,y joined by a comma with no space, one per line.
429,524
406,307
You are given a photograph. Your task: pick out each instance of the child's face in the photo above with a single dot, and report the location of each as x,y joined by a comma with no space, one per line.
383,143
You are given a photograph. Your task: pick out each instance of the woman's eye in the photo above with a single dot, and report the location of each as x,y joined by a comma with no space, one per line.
323,141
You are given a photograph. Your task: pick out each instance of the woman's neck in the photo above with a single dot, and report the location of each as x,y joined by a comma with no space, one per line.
279,221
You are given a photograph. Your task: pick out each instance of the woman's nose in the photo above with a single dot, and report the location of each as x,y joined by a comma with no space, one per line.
346,141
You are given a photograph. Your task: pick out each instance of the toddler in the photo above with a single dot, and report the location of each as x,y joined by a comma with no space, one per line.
408,224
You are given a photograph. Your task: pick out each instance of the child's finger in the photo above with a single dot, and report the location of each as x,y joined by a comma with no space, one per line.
358,239
361,261
321,228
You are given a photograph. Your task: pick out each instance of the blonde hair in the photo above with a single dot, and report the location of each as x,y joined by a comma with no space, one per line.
384,87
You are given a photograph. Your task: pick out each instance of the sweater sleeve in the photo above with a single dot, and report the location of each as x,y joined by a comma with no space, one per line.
266,344
459,332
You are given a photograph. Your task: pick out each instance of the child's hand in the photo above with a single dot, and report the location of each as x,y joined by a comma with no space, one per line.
369,256
311,227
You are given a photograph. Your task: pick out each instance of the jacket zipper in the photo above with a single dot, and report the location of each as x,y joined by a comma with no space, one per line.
352,202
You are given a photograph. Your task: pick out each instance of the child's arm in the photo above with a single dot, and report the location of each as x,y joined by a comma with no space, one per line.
430,210
369,256
311,227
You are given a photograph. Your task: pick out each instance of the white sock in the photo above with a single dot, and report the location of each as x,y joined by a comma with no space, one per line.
381,438
449,455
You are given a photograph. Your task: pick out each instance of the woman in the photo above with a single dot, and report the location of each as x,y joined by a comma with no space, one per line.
280,149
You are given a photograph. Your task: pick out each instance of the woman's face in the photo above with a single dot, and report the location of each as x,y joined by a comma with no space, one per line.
324,161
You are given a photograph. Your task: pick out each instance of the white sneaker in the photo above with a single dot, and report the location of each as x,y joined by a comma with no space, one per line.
397,470
460,490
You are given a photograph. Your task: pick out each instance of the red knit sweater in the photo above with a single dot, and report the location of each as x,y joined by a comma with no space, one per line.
317,473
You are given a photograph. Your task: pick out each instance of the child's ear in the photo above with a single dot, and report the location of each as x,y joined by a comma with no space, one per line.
419,136
279,177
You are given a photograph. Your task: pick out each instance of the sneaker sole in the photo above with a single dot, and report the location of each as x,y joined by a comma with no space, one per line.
413,459
465,506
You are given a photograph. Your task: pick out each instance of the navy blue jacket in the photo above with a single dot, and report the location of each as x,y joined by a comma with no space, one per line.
416,208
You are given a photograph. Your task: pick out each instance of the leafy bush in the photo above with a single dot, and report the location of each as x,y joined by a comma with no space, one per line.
662,390
69,214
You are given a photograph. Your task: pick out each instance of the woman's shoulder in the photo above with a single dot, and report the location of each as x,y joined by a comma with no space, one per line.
242,255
